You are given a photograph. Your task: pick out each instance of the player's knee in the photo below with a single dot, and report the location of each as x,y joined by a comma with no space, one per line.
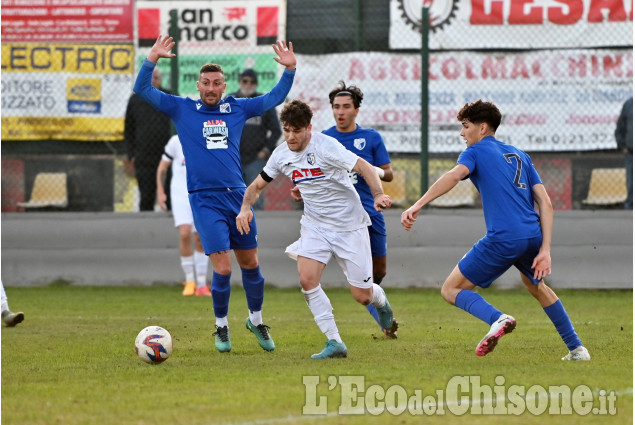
448,294
363,298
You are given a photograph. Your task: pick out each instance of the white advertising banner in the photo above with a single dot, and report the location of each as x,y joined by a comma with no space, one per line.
251,24
236,35
550,100
512,24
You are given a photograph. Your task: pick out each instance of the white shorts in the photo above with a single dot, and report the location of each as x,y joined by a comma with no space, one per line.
181,210
351,250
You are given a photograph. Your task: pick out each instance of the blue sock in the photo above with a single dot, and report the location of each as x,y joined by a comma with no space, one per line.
373,312
254,285
476,305
220,294
563,325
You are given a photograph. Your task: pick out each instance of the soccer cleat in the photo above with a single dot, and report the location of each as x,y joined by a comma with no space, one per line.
578,354
332,350
203,291
504,325
392,331
223,343
262,333
12,319
386,319
190,288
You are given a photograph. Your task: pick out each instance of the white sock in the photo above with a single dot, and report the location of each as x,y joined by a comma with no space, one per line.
255,317
320,306
379,298
222,322
201,262
187,264
5,301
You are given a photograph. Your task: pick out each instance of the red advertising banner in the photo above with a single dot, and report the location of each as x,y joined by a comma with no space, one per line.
94,21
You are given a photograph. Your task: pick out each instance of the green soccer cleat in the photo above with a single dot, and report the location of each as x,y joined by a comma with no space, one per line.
332,350
223,343
262,334
386,319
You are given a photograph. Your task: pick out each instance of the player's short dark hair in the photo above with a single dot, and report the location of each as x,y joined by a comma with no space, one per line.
342,90
480,112
296,114
211,67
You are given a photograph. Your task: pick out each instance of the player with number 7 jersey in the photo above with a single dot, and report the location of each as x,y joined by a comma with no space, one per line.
517,234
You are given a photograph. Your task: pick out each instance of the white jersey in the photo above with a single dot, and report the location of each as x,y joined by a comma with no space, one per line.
174,152
321,173
181,210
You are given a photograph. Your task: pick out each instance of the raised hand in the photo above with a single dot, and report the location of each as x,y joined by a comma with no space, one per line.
162,48
286,57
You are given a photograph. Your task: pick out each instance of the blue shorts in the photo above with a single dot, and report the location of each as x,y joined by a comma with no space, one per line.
377,234
488,260
215,214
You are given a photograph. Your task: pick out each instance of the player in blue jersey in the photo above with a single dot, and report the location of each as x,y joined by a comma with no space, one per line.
366,143
517,234
210,130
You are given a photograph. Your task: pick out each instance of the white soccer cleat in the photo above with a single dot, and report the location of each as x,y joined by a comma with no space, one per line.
11,319
578,354
504,325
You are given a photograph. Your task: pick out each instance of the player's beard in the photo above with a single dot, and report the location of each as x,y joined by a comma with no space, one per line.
211,99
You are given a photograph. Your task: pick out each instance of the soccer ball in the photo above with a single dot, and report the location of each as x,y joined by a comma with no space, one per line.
153,345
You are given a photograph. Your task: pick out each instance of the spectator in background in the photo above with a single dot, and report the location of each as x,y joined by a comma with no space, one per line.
624,138
10,319
194,262
260,134
146,133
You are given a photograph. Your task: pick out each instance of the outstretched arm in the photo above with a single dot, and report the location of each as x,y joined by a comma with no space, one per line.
542,262
162,198
369,173
443,185
252,194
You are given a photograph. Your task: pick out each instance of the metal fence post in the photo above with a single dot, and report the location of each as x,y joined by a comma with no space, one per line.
424,159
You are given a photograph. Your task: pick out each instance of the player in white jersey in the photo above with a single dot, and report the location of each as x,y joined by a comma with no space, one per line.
194,262
334,221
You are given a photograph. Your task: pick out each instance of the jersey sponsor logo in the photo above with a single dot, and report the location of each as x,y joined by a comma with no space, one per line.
360,144
225,108
198,106
310,158
305,174
215,133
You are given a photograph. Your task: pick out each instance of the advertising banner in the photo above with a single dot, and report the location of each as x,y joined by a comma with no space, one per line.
236,35
90,21
512,24
549,99
65,91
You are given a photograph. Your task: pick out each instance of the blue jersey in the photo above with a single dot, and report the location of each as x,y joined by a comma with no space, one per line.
211,136
504,176
368,144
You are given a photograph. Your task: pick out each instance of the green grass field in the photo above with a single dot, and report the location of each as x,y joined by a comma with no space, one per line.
72,360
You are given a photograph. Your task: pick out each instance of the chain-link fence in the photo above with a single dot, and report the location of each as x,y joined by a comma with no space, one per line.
560,75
